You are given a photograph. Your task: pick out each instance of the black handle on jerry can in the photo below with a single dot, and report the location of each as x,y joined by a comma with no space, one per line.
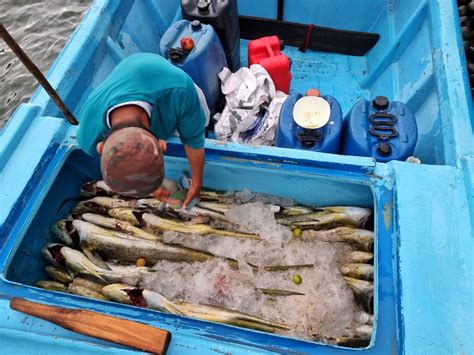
309,137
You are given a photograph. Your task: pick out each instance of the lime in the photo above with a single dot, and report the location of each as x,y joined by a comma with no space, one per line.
297,279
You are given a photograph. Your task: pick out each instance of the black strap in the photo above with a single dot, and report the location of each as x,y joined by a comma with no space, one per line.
320,38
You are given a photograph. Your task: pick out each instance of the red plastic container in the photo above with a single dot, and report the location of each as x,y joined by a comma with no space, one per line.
266,52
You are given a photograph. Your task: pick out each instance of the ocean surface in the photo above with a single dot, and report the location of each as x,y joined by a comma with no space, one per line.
41,28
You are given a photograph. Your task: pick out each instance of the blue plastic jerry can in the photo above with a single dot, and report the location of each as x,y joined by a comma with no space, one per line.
195,48
381,129
310,123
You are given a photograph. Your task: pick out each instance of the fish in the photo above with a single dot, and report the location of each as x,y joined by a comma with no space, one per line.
116,224
276,268
214,206
51,285
59,274
201,212
348,341
362,317
358,257
227,316
274,292
84,291
78,264
131,248
363,292
64,232
93,285
96,188
101,204
329,217
156,222
357,271
294,211
124,214
359,287
141,298
361,238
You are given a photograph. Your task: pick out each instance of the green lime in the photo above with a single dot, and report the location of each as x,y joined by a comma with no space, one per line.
297,232
297,279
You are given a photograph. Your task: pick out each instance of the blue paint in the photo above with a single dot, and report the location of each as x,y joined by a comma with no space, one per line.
387,132
424,222
325,139
203,63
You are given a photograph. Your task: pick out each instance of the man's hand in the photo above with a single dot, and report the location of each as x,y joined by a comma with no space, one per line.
196,163
162,194
193,192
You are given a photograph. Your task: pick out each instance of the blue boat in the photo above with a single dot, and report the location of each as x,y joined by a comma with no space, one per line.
424,213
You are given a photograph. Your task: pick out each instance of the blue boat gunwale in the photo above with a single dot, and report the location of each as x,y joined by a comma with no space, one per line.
13,288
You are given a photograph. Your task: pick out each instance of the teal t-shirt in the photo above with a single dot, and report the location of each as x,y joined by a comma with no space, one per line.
151,78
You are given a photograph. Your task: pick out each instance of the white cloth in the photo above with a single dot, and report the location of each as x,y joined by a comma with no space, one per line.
252,107
143,104
148,107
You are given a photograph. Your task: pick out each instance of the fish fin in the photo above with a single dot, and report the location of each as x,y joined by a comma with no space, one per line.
95,258
170,306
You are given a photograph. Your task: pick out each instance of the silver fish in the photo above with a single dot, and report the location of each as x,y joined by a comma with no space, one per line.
358,257
100,205
141,298
359,287
84,291
93,285
361,238
125,214
329,217
156,222
226,316
64,232
51,285
58,274
118,225
357,271
130,249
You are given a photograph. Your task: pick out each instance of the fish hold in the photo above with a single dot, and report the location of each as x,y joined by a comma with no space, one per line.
357,271
58,274
360,238
51,285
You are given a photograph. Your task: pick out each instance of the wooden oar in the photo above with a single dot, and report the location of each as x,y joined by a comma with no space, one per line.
33,69
98,325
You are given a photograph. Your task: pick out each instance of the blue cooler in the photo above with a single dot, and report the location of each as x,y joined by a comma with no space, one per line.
310,123
203,62
381,129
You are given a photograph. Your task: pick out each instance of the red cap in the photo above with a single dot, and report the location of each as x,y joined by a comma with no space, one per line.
132,162
312,92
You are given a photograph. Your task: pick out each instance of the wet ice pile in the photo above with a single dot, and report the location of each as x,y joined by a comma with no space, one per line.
324,305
